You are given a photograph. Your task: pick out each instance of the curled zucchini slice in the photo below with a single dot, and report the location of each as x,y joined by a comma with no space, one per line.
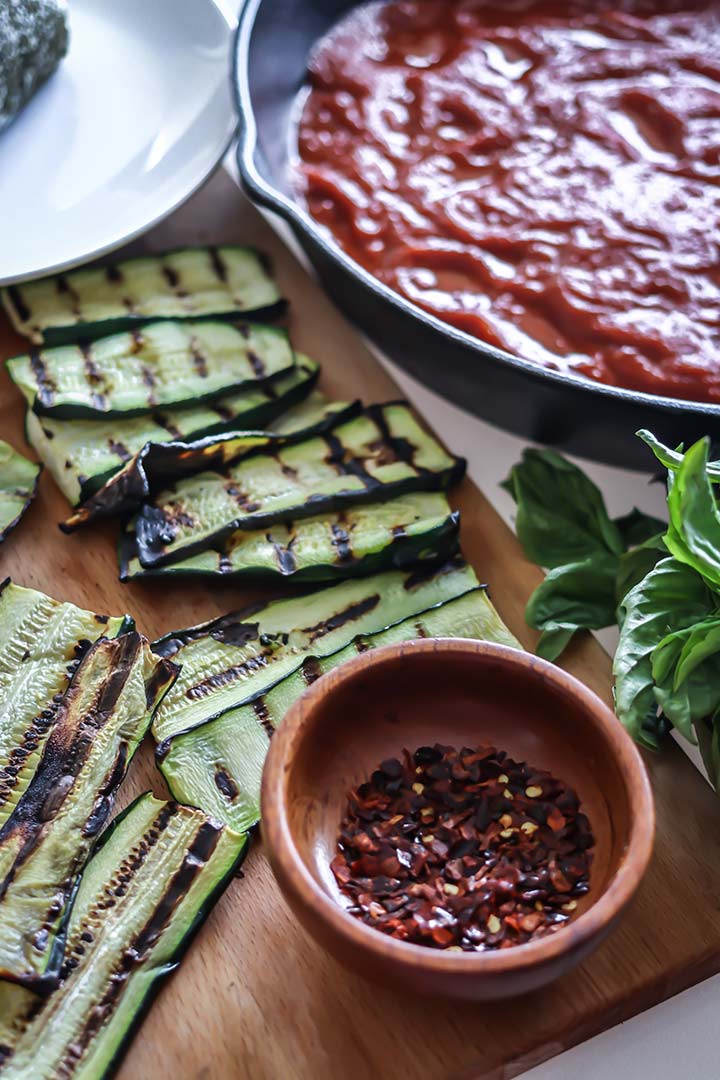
378,455
218,765
95,728
402,533
155,875
159,463
18,487
191,283
226,662
164,364
82,455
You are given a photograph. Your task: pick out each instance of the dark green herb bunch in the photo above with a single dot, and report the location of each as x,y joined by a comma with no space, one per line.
659,582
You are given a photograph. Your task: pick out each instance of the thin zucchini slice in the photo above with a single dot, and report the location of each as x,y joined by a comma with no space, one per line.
154,877
18,486
402,533
96,727
218,766
94,301
159,463
226,662
41,644
82,455
378,455
164,364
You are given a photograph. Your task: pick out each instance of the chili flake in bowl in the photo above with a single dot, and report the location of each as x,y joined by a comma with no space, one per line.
463,849
489,872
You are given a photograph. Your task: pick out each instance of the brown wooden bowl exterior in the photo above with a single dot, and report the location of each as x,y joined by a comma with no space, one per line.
457,692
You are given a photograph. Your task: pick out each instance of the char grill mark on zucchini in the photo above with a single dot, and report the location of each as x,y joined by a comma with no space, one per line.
82,455
160,463
41,644
399,534
226,662
380,454
218,766
18,487
50,831
227,282
154,877
156,367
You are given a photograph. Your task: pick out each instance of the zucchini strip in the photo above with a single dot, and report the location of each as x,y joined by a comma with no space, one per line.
46,839
160,463
400,534
155,875
164,364
41,644
227,662
18,487
82,455
218,766
378,455
190,283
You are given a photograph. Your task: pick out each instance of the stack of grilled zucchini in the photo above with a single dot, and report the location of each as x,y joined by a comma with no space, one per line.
207,436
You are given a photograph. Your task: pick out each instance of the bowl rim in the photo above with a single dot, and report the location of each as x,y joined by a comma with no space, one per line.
295,879
266,194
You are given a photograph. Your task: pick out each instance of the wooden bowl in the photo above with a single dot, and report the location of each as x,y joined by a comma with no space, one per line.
456,692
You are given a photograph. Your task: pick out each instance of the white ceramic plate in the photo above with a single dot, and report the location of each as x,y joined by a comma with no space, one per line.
136,117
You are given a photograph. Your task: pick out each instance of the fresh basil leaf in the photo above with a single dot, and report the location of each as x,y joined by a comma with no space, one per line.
634,565
580,595
693,535
672,459
637,527
686,671
708,737
698,696
671,597
561,514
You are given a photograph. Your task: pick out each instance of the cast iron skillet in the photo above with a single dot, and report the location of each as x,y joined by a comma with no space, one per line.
273,41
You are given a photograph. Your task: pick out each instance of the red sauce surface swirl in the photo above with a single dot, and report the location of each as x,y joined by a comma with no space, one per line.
542,175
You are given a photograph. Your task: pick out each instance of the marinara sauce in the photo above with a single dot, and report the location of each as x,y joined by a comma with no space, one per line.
543,175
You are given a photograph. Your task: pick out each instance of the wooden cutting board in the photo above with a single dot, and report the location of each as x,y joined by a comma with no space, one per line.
255,997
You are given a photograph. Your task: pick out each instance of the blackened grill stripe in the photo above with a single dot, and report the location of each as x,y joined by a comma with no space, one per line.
45,383
113,273
341,542
256,363
342,618
171,276
402,448
263,714
119,449
95,377
166,424
62,285
225,784
347,466
19,303
217,263
198,358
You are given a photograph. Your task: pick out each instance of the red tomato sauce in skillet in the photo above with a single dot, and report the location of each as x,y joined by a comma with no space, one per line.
542,175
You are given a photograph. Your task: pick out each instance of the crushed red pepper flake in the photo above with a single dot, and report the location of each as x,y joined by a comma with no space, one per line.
463,849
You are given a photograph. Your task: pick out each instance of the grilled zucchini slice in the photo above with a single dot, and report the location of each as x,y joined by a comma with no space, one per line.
164,364
226,662
82,455
380,454
191,283
45,840
218,766
41,644
154,877
18,487
402,533
159,463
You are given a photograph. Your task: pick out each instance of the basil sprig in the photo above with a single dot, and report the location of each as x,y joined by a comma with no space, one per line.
659,582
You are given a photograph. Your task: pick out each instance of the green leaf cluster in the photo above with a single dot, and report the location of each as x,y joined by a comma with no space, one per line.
659,582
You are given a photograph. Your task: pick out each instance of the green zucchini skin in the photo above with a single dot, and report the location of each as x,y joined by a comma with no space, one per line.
401,534
18,487
95,729
228,661
165,364
378,455
42,641
82,455
225,282
218,765
171,864
160,463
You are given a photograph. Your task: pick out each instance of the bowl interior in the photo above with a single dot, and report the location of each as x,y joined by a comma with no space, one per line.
463,698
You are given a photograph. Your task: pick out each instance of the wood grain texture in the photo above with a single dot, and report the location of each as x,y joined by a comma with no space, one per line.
255,997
